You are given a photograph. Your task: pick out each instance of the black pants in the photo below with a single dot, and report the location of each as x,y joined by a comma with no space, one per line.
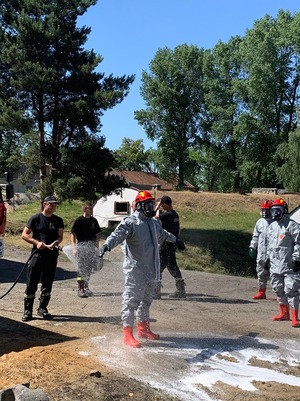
41,268
167,255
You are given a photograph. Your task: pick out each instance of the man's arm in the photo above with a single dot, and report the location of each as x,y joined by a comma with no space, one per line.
60,236
26,236
73,239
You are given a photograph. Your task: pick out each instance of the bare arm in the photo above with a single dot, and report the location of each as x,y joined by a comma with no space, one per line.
26,236
73,239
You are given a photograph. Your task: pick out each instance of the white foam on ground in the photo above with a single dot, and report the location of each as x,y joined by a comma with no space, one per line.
180,368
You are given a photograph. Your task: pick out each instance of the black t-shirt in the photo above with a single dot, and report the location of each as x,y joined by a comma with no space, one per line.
170,222
86,228
45,229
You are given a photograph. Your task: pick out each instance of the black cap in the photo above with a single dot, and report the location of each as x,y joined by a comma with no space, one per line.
51,199
166,199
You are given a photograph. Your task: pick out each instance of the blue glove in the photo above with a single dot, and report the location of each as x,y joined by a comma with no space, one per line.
252,253
103,249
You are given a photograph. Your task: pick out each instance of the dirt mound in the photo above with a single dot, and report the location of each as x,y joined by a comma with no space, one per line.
209,201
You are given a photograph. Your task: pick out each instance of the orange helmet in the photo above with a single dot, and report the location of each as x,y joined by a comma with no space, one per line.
146,203
279,208
265,208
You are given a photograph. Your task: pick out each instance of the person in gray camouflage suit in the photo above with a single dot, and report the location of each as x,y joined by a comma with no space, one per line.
258,249
283,251
140,235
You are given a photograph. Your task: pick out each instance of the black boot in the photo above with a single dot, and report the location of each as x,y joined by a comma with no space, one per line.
87,290
180,290
81,290
157,291
42,309
28,305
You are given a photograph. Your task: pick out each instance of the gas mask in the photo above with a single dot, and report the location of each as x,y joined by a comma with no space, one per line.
277,212
147,207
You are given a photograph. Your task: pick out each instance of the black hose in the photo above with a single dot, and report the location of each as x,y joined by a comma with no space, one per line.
20,274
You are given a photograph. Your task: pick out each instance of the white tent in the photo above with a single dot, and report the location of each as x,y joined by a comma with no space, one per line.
110,210
295,214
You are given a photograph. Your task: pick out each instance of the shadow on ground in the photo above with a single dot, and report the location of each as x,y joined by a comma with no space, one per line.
17,336
10,271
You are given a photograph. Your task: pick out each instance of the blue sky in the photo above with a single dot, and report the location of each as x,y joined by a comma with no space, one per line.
128,33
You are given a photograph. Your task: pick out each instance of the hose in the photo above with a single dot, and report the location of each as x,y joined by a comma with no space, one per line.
20,274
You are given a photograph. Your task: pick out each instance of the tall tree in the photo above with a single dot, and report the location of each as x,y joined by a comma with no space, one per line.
289,172
172,91
131,156
51,78
269,92
221,73
88,177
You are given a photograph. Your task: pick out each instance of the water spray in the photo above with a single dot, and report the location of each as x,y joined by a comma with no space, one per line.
68,250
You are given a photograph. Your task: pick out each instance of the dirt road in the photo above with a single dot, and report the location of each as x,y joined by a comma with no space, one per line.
218,344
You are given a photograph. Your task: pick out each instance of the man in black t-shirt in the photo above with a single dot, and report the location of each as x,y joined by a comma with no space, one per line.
44,231
85,235
170,221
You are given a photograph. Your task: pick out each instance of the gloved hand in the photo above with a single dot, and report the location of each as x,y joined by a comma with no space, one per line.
180,244
296,266
252,253
267,264
104,248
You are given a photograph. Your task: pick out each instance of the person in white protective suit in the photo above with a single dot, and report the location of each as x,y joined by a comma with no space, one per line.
258,249
142,235
283,251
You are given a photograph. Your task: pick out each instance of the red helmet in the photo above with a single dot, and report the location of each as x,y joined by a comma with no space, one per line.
145,203
265,208
143,196
266,204
279,202
278,209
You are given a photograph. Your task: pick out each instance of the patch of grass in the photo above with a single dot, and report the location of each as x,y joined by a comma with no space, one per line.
216,241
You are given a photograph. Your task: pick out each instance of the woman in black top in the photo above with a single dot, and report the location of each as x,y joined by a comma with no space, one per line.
85,234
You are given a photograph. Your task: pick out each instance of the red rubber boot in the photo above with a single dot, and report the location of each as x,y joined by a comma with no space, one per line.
145,332
261,294
295,321
129,339
284,313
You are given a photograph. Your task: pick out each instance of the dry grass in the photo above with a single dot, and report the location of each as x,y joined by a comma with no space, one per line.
216,227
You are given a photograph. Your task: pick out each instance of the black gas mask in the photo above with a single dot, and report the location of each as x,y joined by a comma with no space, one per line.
147,207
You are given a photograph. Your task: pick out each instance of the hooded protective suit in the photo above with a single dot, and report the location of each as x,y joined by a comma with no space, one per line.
142,236
258,242
283,248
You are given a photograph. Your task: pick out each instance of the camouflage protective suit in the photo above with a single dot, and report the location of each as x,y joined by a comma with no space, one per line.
258,242
283,248
142,236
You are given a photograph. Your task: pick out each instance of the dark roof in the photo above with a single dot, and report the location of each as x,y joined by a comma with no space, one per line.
143,180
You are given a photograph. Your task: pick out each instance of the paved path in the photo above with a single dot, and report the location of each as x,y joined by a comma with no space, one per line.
217,321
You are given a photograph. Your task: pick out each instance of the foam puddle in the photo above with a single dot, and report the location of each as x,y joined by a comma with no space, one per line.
185,368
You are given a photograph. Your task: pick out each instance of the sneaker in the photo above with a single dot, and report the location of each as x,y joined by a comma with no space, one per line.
43,312
27,316
82,294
